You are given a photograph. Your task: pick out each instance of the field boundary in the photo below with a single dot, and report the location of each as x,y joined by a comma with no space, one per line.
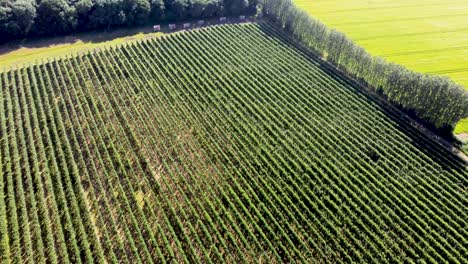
451,144
129,35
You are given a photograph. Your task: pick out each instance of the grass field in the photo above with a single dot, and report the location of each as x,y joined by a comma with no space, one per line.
424,35
29,51
225,145
462,127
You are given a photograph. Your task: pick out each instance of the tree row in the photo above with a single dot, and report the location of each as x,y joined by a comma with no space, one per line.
437,100
25,18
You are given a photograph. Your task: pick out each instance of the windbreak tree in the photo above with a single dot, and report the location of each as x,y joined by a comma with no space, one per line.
108,13
205,8
16,18
20,18
137,11
213,8
158,10
437,100
55,17
83,10
197,8
236,7
179,8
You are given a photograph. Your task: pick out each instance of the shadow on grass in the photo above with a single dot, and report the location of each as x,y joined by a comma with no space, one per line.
100,36
96,36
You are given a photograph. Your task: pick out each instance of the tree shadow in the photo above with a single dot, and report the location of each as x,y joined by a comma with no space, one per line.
100,36
96,36
425,142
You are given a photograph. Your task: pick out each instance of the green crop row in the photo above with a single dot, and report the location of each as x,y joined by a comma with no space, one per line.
223,144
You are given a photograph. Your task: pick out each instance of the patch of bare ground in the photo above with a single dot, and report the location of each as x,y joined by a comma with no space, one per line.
463,137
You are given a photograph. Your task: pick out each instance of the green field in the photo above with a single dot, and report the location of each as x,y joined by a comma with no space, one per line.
224,144
19,54
424,35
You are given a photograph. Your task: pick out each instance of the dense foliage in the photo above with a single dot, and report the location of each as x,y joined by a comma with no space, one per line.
436,99
21,18
220,145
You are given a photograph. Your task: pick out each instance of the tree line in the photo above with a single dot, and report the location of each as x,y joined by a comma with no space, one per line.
22,18
436,99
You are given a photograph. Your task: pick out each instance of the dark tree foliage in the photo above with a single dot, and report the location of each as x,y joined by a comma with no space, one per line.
436,99
213,8
236,7
17,18
158,10
55,17
83,9
22,18
137,11
180,8
205,8
108,13
198,7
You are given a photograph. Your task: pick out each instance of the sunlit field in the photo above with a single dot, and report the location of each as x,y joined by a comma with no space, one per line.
220,145
424,35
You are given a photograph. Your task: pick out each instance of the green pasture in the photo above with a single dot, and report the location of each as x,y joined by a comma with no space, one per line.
424,35
24,52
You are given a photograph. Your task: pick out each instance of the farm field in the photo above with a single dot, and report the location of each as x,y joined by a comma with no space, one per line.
424,35
223,144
